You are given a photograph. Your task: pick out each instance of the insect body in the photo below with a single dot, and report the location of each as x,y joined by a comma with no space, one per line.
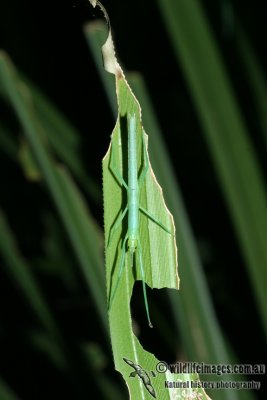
131,240
133,195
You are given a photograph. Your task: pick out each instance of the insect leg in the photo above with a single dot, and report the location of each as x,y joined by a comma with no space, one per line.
117,224
114,169
141,181
154,219
122,265
146,163
143,282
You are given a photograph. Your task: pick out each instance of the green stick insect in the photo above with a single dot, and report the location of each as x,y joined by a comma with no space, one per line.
131,241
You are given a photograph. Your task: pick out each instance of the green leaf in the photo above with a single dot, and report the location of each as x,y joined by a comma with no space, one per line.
158,247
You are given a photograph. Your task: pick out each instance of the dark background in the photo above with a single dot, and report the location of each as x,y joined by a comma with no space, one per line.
45,40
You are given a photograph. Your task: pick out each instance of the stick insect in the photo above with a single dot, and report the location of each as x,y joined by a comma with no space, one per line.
131,241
